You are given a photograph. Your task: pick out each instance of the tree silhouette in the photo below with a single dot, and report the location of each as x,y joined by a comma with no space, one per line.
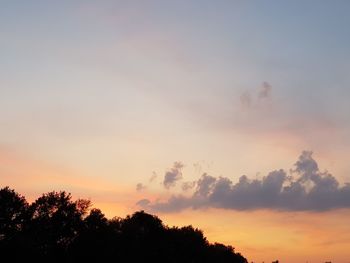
55,221
96,220
54,228
14,217
13,213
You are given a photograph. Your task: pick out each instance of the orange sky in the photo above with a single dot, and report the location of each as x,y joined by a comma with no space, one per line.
99,97
261,235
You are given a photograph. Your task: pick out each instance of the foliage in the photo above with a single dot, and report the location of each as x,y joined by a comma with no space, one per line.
54,228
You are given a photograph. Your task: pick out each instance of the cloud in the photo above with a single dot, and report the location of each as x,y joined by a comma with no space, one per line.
250,99
246,99
306,165
140,187
172,176
143,202
306,189
153,177
205,185
186,186
265,90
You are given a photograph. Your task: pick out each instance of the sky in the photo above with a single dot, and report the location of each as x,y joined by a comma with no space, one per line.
232,116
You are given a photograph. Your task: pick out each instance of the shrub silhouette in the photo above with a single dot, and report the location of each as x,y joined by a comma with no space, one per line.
54,228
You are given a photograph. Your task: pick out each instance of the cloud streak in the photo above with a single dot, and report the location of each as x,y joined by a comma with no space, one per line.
305,189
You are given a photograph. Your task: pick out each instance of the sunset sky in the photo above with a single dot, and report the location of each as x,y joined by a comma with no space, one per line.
232,116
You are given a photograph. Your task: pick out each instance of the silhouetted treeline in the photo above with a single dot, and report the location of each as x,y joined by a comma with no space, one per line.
54,228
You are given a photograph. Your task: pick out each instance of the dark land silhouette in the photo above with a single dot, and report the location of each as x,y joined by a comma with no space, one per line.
54,228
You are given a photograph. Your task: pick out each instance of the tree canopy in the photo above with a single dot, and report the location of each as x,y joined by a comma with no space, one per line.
55,228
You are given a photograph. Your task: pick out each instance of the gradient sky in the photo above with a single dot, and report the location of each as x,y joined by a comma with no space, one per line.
101,98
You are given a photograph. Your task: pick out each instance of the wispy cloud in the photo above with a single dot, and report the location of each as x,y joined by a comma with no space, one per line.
173,175
265,90
153,177
186,186
249,98
305,188
140,187
246,99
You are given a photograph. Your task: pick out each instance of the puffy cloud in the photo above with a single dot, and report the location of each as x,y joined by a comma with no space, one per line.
307,189
173,175
306,165
205,185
